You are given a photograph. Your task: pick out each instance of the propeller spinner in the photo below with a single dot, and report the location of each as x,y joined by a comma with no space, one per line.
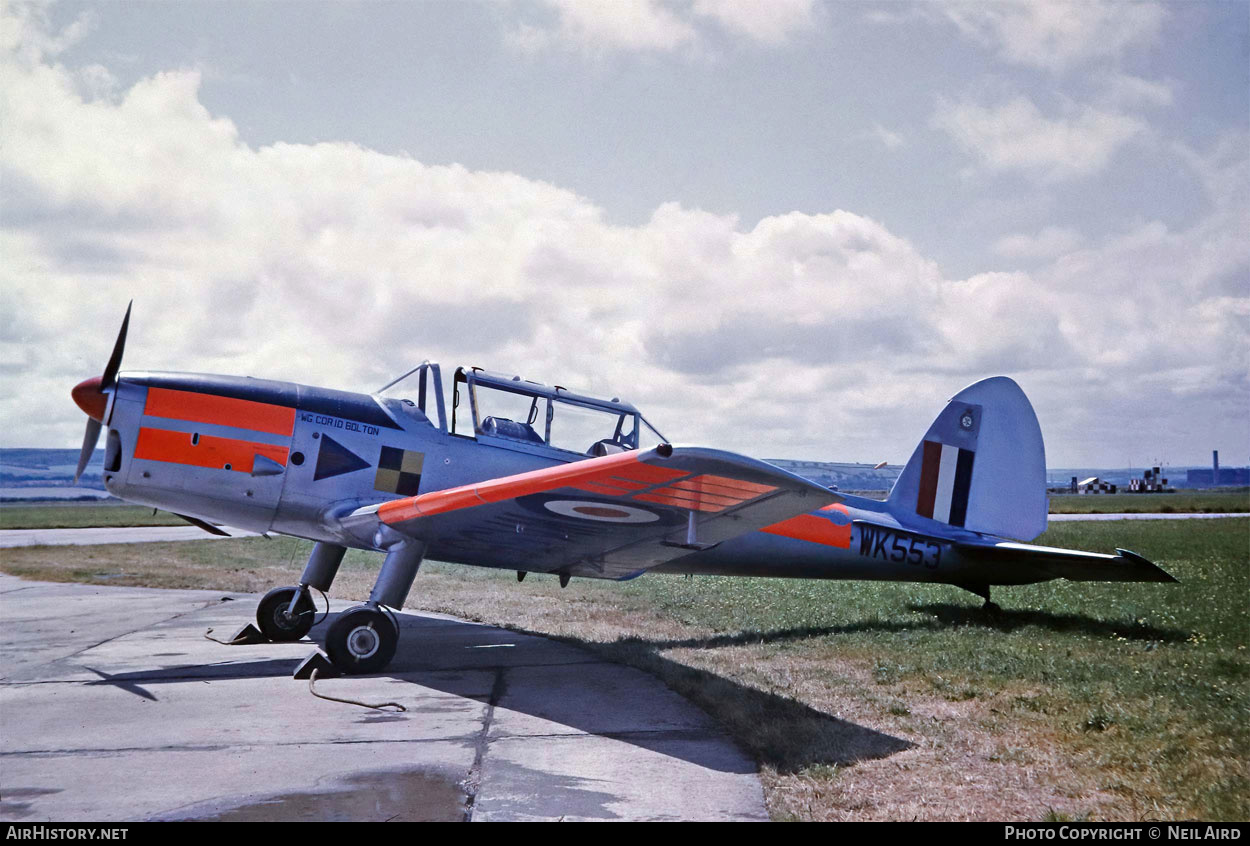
92,396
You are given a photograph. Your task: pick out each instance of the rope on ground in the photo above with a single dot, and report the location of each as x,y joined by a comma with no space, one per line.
381,706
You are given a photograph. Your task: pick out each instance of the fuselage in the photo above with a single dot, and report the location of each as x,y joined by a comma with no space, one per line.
280,457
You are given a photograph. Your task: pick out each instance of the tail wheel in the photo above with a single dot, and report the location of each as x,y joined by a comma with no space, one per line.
276,624
361,640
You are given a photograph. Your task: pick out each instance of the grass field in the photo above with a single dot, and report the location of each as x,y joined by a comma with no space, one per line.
882,701
1181,502
81,515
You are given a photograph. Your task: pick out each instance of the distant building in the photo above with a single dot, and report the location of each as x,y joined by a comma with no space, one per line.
1094,485
1204,477
1152,481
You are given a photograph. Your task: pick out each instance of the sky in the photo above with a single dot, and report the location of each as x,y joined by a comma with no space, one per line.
790,228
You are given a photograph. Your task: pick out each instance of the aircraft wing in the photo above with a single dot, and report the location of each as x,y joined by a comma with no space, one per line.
609,517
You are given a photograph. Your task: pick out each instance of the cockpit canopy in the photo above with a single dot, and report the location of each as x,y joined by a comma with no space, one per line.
512,412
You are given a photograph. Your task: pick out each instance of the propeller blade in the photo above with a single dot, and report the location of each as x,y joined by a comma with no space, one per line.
88,446
115,360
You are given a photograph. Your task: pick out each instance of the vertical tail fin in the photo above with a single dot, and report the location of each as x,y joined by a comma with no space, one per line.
981,466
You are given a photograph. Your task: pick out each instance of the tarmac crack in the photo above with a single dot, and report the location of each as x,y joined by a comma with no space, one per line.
473,781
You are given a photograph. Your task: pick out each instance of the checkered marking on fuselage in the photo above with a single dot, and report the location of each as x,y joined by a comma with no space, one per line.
399,471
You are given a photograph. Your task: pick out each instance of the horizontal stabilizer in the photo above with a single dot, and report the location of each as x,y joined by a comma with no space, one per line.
1071,564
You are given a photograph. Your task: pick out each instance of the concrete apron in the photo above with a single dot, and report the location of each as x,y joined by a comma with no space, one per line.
113,706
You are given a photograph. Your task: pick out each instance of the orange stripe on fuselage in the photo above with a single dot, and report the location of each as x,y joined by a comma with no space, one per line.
209,451
220,411
809,527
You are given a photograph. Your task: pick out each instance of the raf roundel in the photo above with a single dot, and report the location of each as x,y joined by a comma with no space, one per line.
600,512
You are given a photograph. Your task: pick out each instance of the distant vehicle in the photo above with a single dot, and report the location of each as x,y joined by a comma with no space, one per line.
532,478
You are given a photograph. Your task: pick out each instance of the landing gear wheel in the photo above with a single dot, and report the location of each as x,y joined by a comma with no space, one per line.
361,640
274,622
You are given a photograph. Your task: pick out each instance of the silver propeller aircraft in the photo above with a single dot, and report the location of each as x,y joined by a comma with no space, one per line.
527,477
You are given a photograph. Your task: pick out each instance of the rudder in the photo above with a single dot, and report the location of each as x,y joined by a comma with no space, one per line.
981,466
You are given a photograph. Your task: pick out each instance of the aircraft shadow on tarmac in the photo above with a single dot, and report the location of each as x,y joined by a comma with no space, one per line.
455,657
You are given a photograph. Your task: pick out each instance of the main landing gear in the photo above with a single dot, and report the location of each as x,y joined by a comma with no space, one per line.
276,619
362,639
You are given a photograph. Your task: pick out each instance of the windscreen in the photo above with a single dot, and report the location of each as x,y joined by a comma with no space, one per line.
647,437
577,428
505,414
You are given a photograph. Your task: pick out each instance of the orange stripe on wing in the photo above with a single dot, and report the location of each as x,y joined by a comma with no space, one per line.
696,484
692,496
753,488
628,485
510,487
220,411
453,499
640,472
809,527
207,451
689,505
595,487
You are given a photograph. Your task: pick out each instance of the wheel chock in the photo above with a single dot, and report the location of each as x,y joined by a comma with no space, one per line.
316,661
248,635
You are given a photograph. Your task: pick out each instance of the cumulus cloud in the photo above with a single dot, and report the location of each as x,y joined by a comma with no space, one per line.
654,25
1015,135
598,27
25,33
1051,241
1127,91
819,335
888,138
1057,35
770,23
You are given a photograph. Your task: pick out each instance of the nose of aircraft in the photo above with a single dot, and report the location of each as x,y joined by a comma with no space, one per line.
89,397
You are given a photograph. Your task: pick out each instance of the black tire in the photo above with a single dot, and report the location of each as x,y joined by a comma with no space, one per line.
272,619
361,640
